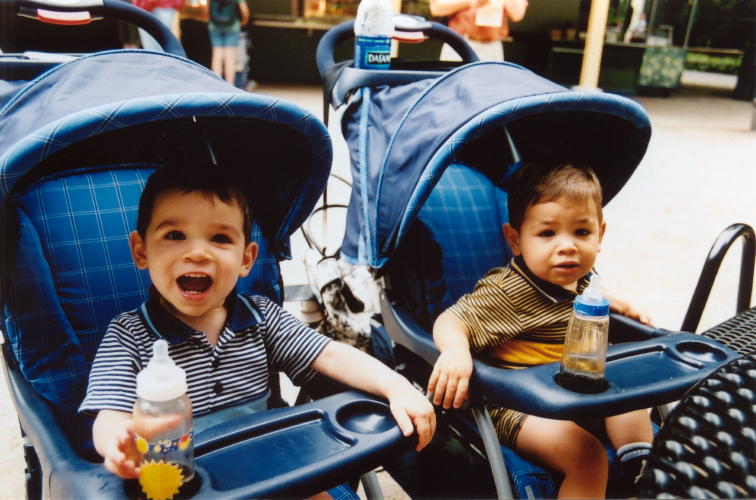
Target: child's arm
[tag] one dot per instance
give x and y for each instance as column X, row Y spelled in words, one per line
column 356, row 369
column 627, row 309
column 450, row 379
column 516, row 9
column 113, row 439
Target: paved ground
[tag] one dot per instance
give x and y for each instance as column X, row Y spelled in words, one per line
column 698, row 177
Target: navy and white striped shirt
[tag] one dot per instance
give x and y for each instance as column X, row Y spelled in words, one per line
column 258, row 337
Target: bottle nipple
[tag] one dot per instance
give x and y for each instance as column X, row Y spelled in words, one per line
column 160, row 354
column 161, row 379
column 593, row 290
column 592, row 301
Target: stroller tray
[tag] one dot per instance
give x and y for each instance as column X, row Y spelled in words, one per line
column 638, row 375
column 296, row 451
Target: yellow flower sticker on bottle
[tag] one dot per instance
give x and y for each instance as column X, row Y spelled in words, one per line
column 160, row 480
column 184, row 441
column 142, row 445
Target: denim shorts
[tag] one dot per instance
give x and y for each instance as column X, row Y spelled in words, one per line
column 224, row 37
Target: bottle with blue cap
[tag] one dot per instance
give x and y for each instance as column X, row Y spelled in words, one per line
column 585, row 344
column 163, row 423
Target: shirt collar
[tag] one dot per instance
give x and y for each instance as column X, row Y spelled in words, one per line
column 554, row 293
column 241, row 315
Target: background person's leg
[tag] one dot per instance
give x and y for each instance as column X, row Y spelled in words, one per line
column 168, row 17
column 216, row 61
column 229, row 64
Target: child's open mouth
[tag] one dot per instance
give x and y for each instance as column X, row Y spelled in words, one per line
column 567, row 266
column 194, row 283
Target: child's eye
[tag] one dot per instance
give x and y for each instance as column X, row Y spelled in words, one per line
column 174, row 235
column 582, row 232
column 221, row 238
column 546, row 233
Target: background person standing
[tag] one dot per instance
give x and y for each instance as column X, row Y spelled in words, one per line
column 165, row 10
column 484, row 24
column 226, row 19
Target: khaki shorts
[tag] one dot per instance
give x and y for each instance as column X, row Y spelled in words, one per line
column 507, row 424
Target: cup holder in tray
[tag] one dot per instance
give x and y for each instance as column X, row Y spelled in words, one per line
column 366, row 417
column 701, row 351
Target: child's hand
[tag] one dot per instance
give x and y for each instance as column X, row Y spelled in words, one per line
column 627, row 309
column 355, row 368
column 450, row 379
column 412, row 412
column 113, row 434
column 121, row 456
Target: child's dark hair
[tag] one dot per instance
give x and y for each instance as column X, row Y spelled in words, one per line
column 546, row 181
column 206, row 180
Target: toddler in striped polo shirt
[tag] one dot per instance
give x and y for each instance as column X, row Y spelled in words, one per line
column 517, row 317
column 193, row 236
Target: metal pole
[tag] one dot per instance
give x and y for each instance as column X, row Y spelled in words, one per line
column 691, row 20
column 493, row 452
column 371, row 486
column 594, row 45
column 652, row 15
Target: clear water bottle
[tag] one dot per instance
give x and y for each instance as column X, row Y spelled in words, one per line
column 373, row 28
column 163, row 426
column 584, row 357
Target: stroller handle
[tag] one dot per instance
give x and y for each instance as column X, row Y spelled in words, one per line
column 344, row 31
column 74, row 12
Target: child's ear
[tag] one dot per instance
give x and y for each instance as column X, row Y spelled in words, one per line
column 248, row 259
column 512, row 237
column 602, row 230
column 138, row 250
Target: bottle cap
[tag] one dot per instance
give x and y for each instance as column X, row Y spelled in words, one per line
column 592, row 301
column 161, row 379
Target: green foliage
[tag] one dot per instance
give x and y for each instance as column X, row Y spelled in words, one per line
column 617, row 11
column 716, row 63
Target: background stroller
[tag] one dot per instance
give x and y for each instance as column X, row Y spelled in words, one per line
column 429, row 154
column 78, row 142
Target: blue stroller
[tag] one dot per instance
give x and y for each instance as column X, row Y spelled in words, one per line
column 430, row 148
column 78, row 141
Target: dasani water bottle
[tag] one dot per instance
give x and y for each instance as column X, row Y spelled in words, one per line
column 373, row 28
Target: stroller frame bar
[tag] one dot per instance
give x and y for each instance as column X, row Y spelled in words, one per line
column 91, row 10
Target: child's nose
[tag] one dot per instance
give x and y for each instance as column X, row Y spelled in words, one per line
column 197, row 250
column 567, row 245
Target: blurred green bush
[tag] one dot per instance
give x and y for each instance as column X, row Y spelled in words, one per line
column 714, row 63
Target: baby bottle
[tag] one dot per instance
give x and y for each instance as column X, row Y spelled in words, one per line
column 584, row 356
column 163, row 426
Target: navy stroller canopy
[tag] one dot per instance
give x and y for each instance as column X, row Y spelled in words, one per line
column 138, row 107
column 491, row 116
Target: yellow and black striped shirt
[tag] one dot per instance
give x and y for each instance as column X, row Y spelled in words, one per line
column 516, row 319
